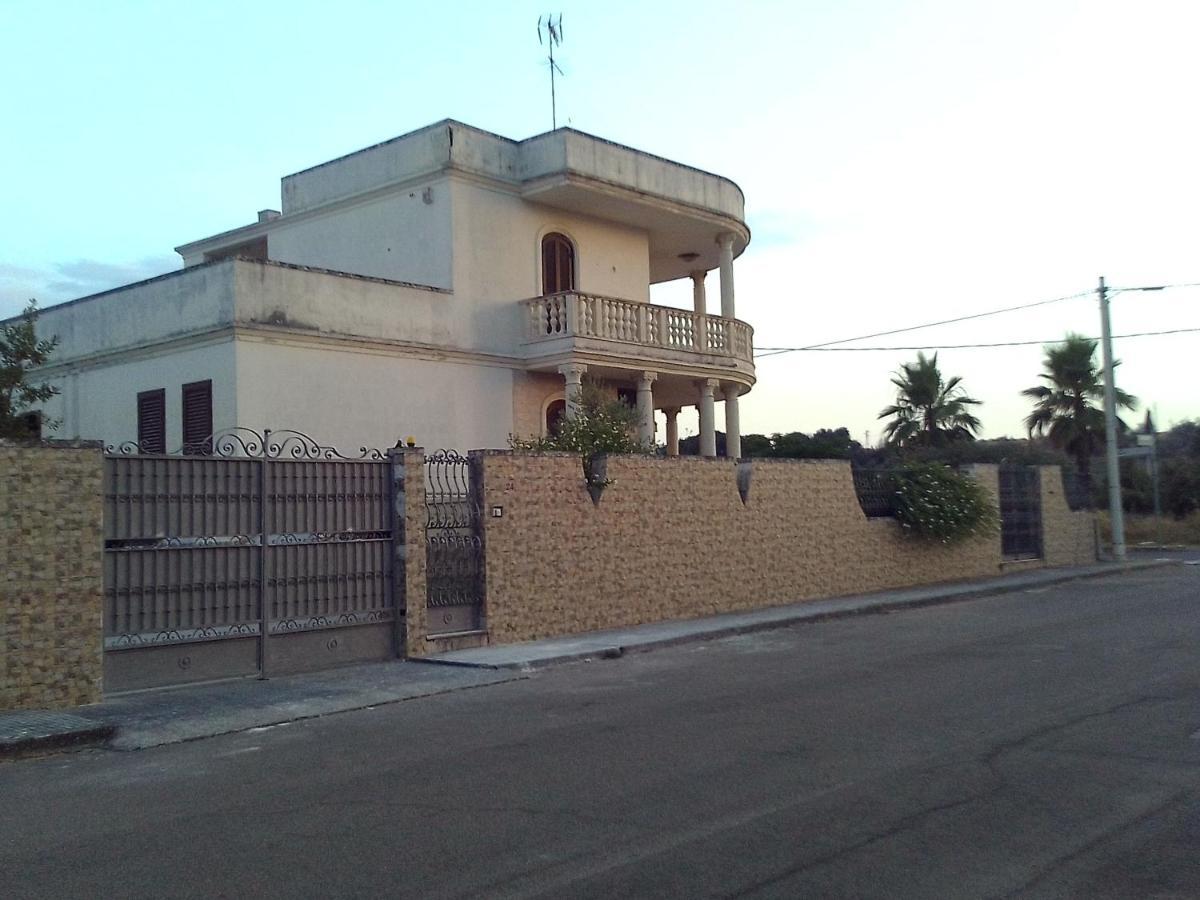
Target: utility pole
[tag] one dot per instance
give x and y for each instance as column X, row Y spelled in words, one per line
column 1116, row 514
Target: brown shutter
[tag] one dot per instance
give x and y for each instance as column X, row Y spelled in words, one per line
column 197, row 417
column 152, row 421
column 558, row 264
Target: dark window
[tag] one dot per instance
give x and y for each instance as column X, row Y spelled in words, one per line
column 197, row 417
column 554, row 416
column 31, row 422
column 152, row 421
column 558, row 264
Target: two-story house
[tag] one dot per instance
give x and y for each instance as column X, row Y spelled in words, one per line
column 449, row 284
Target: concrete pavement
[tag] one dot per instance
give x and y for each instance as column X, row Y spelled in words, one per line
column 144, row 719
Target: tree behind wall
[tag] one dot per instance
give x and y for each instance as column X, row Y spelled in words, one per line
column 20, row 351
column 929, row 410
column 825, row 443
column 1066, row 407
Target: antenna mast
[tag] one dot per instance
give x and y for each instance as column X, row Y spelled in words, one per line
column 554, row 36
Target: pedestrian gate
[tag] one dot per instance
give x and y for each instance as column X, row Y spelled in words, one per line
column 453, row 544
column 259, row 554
column 1021, row 512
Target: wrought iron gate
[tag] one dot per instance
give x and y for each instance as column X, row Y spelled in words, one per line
column 265, row 553
column 453, row 544
column 1021, row 512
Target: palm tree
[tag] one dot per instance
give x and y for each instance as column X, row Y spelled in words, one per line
column 928, row 410
column 1064, row 412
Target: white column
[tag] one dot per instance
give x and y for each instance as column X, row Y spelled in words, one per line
column 725, row 242
column 698, row 299
column 708, row 431
column 700, row 334
column 733, row 428
column 645, row 407
column 672, row 413
column 573, row 374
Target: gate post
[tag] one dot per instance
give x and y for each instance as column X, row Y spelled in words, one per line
column 408, row 546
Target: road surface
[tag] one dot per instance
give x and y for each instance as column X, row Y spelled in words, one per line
column 1040, row 744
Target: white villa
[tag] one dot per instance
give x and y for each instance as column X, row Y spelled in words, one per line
column 449, row 284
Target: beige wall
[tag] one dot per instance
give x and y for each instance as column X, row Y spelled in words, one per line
column 672, row 539
column 532, row 391
column 51, row 592
column 497, row 261
column 1069, row 538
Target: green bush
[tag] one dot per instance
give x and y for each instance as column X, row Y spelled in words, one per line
column 602, row 424
column 936, row 503
column 1181, row 487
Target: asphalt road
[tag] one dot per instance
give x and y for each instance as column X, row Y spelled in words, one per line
column 1040, row 744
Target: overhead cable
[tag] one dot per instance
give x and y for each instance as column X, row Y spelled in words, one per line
column 823, row 348
column 980, row 315
column 767, row 351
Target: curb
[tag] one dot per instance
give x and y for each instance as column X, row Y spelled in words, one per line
column 96, row 735
column 943, row 596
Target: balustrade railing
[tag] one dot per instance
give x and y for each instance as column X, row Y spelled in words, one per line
column 574, row 314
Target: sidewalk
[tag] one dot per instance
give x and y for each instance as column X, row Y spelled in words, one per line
column 144, row 719
column 150, row 718
column 617, row 642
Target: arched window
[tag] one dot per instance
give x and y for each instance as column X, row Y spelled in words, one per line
column 554, row 416
column 558, row 263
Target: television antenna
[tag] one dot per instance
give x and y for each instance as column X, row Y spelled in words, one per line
column 553, row 37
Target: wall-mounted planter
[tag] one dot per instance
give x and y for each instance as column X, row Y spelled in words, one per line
column 595, row 474
column 744, row 470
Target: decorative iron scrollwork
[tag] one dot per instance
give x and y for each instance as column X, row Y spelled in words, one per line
column 288, row 444
column 126, row 448
column 239, row 442
column 449, row 501
column 180, row 635
column 320, row 622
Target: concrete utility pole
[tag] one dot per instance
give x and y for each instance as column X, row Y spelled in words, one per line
column 1116, row 514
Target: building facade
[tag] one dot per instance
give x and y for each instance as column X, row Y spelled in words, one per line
column 450, row 285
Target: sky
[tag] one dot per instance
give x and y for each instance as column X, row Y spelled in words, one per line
column 903, row 161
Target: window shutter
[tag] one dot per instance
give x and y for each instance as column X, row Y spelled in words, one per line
column 197, row 417
column 152, row 421
column 558, row 264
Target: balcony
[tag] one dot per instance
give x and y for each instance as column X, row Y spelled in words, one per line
column 608, row 328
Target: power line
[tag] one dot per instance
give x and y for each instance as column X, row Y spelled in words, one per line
column 980, row 315
column 1154, row 287
column 824, row 348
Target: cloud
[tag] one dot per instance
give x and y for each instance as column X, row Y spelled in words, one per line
column 63, row 281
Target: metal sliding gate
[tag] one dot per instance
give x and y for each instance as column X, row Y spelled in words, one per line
column 1021, row 512
column 260, row 554
column 453, row 544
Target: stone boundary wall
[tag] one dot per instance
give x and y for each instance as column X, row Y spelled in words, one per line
column 672, row 539
column 1069, row 537
column 51, row 574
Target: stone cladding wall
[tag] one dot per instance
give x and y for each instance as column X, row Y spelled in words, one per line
column 1068, row 537
column 51, row 575
column 672, row 539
